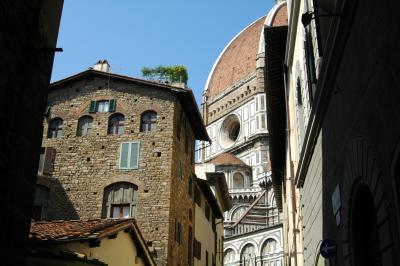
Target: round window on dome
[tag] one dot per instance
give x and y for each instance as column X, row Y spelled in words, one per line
column 229, row 132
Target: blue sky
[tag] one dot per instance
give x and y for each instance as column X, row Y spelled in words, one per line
column 132, row 34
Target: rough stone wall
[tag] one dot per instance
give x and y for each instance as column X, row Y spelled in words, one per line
column 25, row 76
column 181, row 202
column 85, row 165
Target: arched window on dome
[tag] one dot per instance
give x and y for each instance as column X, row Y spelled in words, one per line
column 116, row 124
column 55, row 128
column 237, row 180
column 120, row 200
column 229, row 256
column 84, row 125
column 248, row 255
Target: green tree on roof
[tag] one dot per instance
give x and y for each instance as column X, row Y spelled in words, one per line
column 166, row 74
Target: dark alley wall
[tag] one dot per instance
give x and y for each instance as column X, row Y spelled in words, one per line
column 28, row 29
column 361, row 134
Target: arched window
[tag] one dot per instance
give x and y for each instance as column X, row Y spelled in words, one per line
column 248, row 255
column 270, row 247
column 116, row 124
column 84, row 125
column 238, row 180
column 229, row 256
column 148, row 121
column 238, row 213
column 40, row 203
column 55, row 128
column 120, row 200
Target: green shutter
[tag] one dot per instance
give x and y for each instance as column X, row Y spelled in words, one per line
column 134, row 155
column 180, row 169
column 123, row 158
column 92, row 107
column 112, row 105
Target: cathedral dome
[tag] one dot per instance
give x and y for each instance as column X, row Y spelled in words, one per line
column 238, row 59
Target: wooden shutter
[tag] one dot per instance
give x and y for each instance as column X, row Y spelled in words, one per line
column 112, row 105
column 49, row 157
column 92, row 107
column 134, row 155
column 123, row 157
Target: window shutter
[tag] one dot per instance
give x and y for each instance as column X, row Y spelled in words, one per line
column 112, row 105
column 134, row 155
column 49, row 157
column 123, row 157
column 92, row 107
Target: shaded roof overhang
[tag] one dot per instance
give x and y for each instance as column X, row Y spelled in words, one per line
column 275, row 40
column 185, row 96
column 209, row 195
column 218, row 180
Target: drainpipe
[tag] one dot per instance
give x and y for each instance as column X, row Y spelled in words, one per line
column 291, row 179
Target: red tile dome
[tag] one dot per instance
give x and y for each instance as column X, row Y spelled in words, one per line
column 238, row 59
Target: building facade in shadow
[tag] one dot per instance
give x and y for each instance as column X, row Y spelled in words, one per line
column 29, row 31
column 335, row 152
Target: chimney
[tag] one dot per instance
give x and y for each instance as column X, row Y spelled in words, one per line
column 102, row 65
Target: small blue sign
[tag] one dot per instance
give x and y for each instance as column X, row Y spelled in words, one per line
column 328, row 248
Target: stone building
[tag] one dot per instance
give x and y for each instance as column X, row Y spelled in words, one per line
column 29, row 31
column 235, row 112
column 336, row 131
column 115, row 146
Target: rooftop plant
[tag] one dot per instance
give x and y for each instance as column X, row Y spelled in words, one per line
column 166, row 74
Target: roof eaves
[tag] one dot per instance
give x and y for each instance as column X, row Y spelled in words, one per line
column 205, row 188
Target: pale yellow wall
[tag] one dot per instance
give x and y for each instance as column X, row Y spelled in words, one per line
column 204, row 234
column 119, row 251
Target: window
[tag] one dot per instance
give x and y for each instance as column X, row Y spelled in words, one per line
column 248, row 255
column 46, row 161
column 180, row 169
column 84, row 125
column 207, row 212
column 55, row 128
column 229, row 256
column 120, row 200
column 148, row 121
column 178, row 232
column 179, row 125
column 238, row 180
column 102, row 106
column 190, row 236
column 197, row 249
column 116, row 124
column 190, row 192
column 197, row 196
column 40, row 203
column 270, row 247
column 129, row 155
column 186, row 136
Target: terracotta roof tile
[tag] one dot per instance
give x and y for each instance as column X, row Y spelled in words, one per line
column 281, row 17
column 228, row 159
column 75, row 230
column 238, row 60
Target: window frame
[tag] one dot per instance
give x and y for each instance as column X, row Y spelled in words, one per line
column 111, row 125
column 129, row 167
column 147, row 122
column 81, row 123
column 59, row 129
